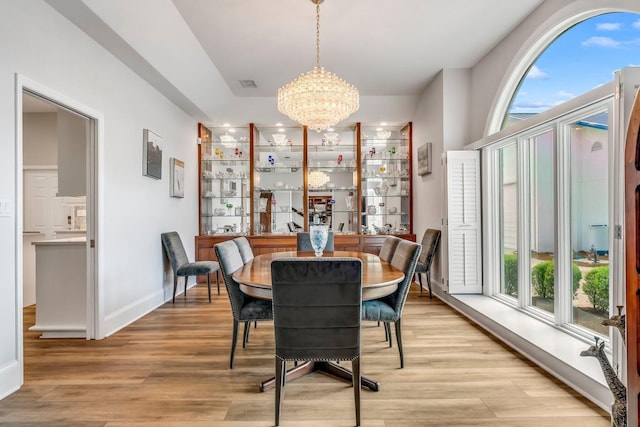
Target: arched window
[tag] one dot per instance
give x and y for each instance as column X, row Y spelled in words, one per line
column 580, row 59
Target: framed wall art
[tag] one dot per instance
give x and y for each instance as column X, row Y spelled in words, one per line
column 424, row 159
column 151, row 155
column 176, row 172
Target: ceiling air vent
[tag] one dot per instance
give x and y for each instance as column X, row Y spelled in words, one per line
column 247, row 83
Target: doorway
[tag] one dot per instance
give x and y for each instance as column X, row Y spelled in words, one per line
column 57, row 194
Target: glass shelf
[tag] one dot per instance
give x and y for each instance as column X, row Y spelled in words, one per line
column 332, row 165
column 277, row 177
column 224, row 181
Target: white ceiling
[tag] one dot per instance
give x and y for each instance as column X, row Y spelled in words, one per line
column 196, row 51
column 382, row 47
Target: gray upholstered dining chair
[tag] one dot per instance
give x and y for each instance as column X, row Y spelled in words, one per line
column 388, row 248
column 303, row 243
column 430, row 241
column 316, row 313
column 181, row 266
column 245, row 249
column 244, row 308
column 389, row 309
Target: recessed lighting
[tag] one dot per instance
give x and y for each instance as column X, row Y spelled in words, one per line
column 279, row 124
column 330, row 129
column 379, row 129
column 232, row 130
column 226, row 125
column 281, row 130
column 383, row 123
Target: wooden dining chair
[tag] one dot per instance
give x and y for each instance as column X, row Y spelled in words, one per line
column 181, row 266
column 244, row 308
column 303, row 243
column 389, row 309
column 316, row 313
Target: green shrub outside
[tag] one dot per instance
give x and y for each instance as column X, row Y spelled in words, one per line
column 596, row 287
column 542, row 276
column 511, row 275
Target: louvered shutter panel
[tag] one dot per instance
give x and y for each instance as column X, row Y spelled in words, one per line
column 463, row 222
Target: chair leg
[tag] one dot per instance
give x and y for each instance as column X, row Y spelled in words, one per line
column 245, row 337
column 209, row 285
column 399, row 338
column 387, row 331
column 186, row 280
column 218, row 280
column 420, row 280
column 175, row 285
column 280, row 378
column 429, row 284
column 355, row 368
column 234, row 338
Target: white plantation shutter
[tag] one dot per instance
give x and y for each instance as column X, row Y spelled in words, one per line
column 463, row 228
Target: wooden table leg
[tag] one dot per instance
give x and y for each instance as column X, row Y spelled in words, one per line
column 330, row 368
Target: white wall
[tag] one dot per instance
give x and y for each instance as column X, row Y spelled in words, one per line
column 441, row 118
column 72, row 160
column 40, row 139
column 36, row 42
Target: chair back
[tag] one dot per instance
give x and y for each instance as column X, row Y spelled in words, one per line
column 430, row 241
column 404, row 258
column 230, row 260
column 245, row 249
column 388, row 248
column 303, row 243
column 175, row 251
column 316, row 308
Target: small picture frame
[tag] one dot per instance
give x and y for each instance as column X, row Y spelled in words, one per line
column 424, row 159
column 151, row 155
column 176, row 187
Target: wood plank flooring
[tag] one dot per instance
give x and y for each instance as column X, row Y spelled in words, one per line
column 170, row 368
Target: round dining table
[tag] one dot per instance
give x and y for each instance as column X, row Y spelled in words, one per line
column 379, row 279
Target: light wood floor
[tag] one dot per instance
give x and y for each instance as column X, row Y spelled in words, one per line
column 170, row 368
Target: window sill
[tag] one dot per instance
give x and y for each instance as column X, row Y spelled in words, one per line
column 552, row 349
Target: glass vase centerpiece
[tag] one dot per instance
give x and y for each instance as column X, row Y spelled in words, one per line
column 318, row 234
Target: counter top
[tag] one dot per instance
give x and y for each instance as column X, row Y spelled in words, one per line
column 72, row 231
column 81, row 240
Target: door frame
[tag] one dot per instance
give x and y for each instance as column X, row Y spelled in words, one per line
column 95, row 205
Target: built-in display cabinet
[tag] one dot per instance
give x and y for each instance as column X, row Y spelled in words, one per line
column 224, row 180
column 278, row 179
column 268, row 183
column 386, row 179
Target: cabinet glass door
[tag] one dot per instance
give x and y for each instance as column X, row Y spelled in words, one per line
column 385, row 179
column 332, row 179
column 278, row 191
column 224, row 182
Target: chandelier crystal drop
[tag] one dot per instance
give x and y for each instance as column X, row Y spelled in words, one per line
column 318, row 98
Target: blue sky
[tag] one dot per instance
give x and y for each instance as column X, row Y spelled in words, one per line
column 582, row 58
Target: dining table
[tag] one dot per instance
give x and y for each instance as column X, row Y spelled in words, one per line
column 379, row 279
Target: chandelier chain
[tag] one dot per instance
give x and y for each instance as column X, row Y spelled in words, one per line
column 318, row 33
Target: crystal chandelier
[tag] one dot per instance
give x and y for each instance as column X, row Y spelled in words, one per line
column 318, row 99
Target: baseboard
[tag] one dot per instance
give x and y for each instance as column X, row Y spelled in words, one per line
column 11, row 379
column 132, row 312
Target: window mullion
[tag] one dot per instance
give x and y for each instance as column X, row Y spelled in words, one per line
column 562, row 263
column 524, row 241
